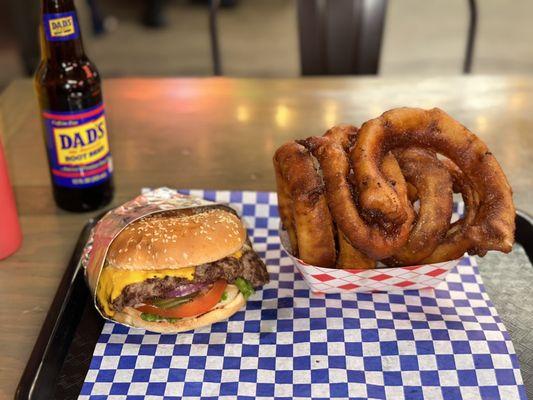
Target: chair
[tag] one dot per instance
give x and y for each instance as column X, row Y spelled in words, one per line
column 340, row 37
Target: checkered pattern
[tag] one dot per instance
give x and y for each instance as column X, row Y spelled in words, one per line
column 447, row 343
column 328, row 280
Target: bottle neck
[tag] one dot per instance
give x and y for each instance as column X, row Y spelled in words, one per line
column 60, row 31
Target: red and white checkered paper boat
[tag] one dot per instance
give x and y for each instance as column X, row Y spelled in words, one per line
column 381, row 279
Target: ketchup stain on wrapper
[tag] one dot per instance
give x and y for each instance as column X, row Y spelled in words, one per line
column 10, row 233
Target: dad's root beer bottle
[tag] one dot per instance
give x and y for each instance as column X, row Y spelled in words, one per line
column 72, row 111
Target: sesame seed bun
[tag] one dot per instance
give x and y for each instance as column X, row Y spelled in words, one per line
column 132, row 317
column 177, row 239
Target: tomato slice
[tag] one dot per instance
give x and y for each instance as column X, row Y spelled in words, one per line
column 198, row 305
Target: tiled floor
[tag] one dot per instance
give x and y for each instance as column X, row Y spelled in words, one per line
column 259, row 38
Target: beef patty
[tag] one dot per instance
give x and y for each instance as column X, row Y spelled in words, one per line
column 249, row 267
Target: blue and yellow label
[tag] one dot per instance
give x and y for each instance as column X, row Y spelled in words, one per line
column 61, row 26
column 78, row 149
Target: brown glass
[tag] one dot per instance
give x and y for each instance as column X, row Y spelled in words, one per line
column 66, row 80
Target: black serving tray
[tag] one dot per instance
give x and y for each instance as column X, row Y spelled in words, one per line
column 62, row 353
column 61, row 356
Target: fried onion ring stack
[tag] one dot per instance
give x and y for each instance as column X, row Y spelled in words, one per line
column 385, row 193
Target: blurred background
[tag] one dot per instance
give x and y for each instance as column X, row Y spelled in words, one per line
column 261, row 38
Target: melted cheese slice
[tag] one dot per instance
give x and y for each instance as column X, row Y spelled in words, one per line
column 113, row 281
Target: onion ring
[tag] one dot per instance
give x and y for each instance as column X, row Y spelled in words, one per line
column 343, row 134
column 412, row 192
column 493, row 226
column 291, row 163
column 350, row 257
column 433, row 184
column 372, row 240
column 302, row 206
column 455, row 243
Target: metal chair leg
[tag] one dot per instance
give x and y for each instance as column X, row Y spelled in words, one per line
column 472, row 28
column 213, row 35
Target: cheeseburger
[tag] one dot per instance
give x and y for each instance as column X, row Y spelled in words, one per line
column 179, row 270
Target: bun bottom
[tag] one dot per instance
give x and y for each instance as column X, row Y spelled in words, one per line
column 132, row 317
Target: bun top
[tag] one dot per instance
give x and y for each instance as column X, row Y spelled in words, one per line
column 177, row 239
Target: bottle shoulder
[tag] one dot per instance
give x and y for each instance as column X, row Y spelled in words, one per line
column 68, row 86
column 67, row 75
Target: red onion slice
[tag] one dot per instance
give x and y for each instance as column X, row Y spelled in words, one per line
column 184, row 290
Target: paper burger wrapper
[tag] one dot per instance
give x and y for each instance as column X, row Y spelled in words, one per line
column 380, row 279
column 111, row 224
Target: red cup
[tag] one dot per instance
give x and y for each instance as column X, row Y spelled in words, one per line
column 10, row 233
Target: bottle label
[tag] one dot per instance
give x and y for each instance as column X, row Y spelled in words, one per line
column 78, row 149
column 59, row 27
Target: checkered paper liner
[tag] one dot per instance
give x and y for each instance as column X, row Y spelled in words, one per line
column 448, row 343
